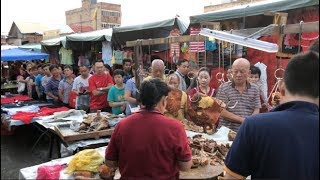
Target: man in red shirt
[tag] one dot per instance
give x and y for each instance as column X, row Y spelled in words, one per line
column 147, row 144
column 99, row 84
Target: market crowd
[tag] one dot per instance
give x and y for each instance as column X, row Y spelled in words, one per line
column 271, row 142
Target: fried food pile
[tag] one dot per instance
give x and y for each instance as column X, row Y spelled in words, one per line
column 206, row 151
column 204, row 111
column 94, row 123
column 191, row 126
column 231, row 135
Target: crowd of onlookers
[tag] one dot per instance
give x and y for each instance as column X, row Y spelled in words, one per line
column 101, row 88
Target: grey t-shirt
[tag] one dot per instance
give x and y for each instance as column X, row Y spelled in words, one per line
column 66, row 87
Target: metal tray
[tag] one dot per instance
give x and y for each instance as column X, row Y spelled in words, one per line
column 67, row 135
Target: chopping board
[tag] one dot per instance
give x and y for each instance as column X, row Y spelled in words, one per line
column 202, row 172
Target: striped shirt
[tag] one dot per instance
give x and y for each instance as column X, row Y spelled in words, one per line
column 244, row 103
column 66, row 87
column 44, row 82
column 52, row 86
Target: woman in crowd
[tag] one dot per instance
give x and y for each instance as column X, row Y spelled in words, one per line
column 22, row 81
column 163, row 147
column 202, row 88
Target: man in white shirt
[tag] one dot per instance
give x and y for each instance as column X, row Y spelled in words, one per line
column 81, row 88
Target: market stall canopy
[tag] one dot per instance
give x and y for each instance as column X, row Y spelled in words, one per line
column 99, row 35
column 3, row 47
column 157, row 29
column 54, row 42
column 253, row 9
column 34, row 46
column 18, row 54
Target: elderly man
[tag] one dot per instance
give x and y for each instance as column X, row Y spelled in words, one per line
column 157, row 67
column 241, row 97
column 282, row 144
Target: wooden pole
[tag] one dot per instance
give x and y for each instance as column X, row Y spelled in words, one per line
column 286, row 29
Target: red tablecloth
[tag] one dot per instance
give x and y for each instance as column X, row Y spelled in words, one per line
column 27, row 117
column 12, row 99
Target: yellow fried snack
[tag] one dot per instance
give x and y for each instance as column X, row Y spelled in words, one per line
column 86, row 160
column 206, row 102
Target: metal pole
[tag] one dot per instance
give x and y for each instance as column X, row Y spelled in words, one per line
column 80, row 23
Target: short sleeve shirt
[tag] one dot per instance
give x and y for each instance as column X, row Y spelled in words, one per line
column 131, row 86
column 116, row 95
column 80, row 84
column 99, row 81
column 66, row 87
column 239, row 104
column 281, row 144
column 39, row 84
column 148, row 145
column 53, row 86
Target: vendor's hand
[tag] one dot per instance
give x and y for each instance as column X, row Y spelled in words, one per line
column 221, row 103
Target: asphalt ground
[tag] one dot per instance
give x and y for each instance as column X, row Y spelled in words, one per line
column 16, row 150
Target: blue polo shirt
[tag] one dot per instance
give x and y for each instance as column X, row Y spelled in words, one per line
column 282, row 144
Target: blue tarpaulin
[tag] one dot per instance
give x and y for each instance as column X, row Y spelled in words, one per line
column 17, row 54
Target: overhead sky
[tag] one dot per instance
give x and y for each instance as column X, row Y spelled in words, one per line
column 133, row 11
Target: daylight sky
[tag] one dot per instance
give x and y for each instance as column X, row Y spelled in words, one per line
column 133, row 11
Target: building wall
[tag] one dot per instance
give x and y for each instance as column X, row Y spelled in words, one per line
column 228, row 5
column 85, row 16
column 3, row 39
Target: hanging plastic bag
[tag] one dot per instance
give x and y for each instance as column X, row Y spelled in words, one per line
column 113, row 59
column 49, row 172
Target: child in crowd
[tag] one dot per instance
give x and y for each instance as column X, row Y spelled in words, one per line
column 116, row 93
column 255, row 79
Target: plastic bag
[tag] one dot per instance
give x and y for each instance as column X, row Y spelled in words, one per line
column 49, row 172
column 86, row 160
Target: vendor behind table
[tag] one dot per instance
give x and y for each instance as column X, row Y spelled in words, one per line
column 163, row 147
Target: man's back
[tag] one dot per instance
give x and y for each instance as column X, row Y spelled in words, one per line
column 281, row 144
